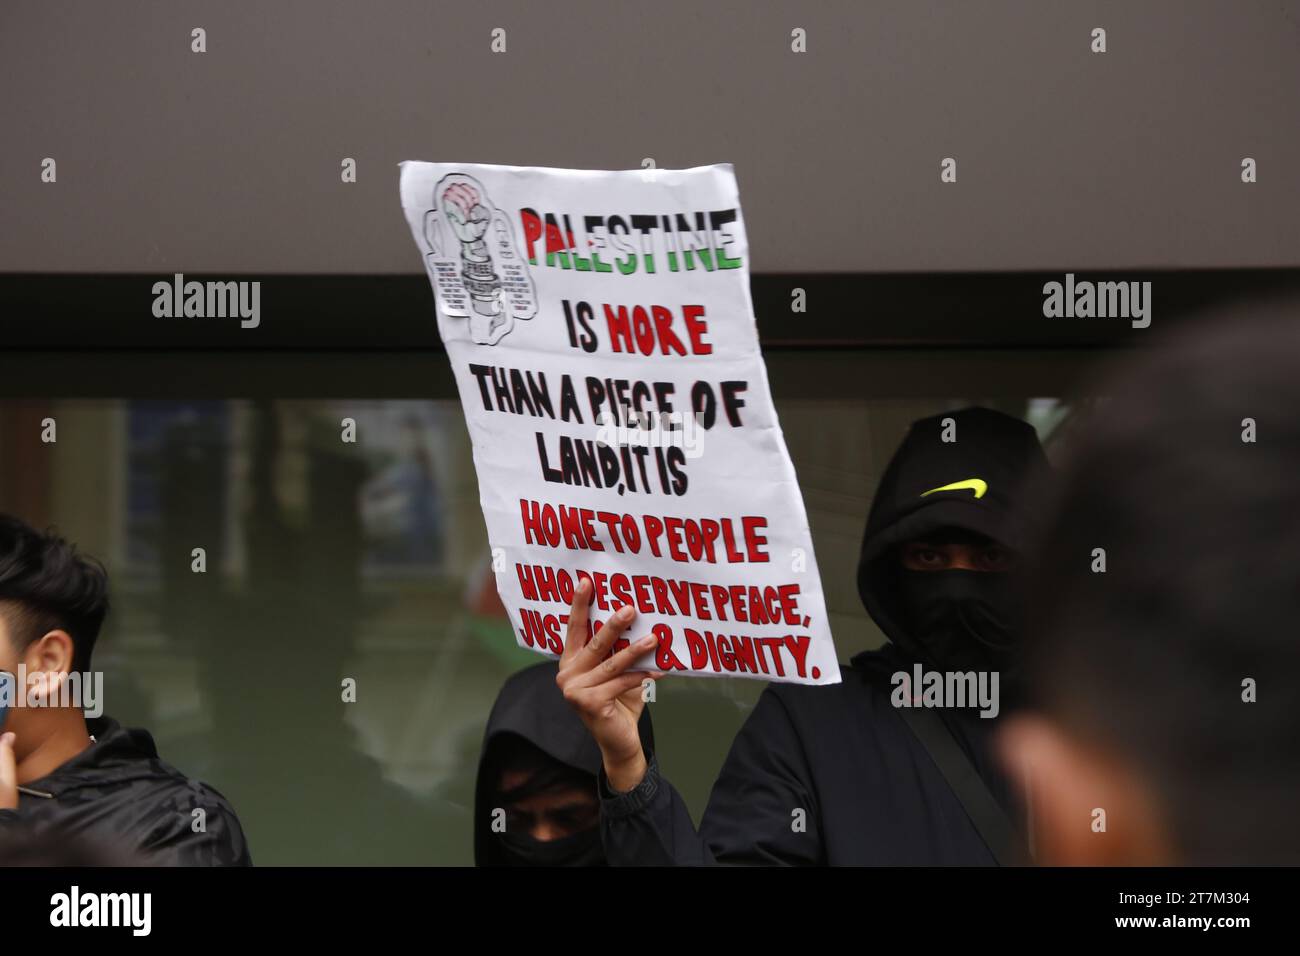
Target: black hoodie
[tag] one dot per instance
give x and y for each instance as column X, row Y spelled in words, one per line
column 833, row 774
column 1001, row 472
column 121, row 800
column 532, row 706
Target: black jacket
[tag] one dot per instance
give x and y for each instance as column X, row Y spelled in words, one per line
column 127, row 806
column 833, row 774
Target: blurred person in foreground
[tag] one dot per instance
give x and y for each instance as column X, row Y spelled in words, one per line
column 1167, row 687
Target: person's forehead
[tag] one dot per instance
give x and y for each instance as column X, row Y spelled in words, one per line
column 557, row 799
column 513, row 778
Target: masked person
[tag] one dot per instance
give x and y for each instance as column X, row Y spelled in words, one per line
column 845, row 774
column 535, row 801
column 67, row 778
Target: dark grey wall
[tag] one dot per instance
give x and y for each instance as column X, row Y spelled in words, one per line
column 229, row 160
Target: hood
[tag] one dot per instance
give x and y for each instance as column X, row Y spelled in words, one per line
column 118, row 755
column 998, row 450
column 532, row 706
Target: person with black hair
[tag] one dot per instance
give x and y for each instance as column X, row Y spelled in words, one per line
column 536, row 803
column 1164, row 726
column 65, row 776
column 855, row 773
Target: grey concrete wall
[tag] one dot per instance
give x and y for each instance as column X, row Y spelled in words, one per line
column 229, row 160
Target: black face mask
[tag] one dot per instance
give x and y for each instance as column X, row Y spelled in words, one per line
column 961, row 620
column 580, row 849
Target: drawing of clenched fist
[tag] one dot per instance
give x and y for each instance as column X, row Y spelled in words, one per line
column 469, row 219
column 468, row 216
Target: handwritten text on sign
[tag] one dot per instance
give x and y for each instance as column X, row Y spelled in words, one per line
column 601, row 332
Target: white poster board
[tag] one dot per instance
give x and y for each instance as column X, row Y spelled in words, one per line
column 600, row 328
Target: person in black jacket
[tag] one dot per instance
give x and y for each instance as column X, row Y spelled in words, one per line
column 536, row 801
column 835, row 774
column 64, row 777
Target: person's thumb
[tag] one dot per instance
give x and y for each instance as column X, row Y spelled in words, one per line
column 8, row 773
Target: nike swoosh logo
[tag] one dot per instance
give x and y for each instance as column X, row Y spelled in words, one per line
column 977, row 485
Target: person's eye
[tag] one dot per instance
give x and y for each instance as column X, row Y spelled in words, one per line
column 929, row 556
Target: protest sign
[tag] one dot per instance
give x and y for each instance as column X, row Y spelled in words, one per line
column 602, row 336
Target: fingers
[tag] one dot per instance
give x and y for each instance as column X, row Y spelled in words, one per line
column 8, row 773
column 602, row 676
column 633, row 697
column 581, row 655
column 593, row 702
column 632, row 680
column 595, row 649
column 576, row 634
